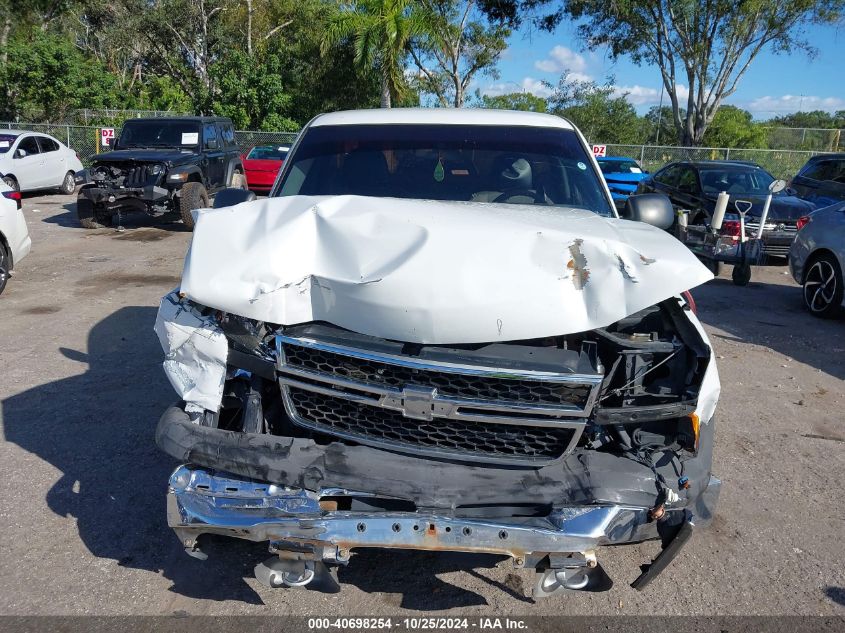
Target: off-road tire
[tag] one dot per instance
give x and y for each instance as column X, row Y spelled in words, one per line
column 823, row 288
column 5, row 266
column 11, row 182
column 68, row 184
column 194, row 196
column 90, row 216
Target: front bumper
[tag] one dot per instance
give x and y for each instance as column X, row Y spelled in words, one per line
column 200, row 501
column 117, row 197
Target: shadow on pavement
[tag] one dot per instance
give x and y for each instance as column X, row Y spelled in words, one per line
column 773, row 316
column 413, row 575
column 98, row 430
column 127, row 220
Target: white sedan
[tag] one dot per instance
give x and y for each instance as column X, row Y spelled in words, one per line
column 31, row 161
column 14, row 235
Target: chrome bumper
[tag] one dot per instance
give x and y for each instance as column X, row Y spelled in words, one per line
column 202, row 502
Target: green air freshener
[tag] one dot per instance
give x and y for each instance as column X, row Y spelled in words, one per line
column 439, row 173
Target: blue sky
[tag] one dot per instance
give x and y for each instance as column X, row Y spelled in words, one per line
column 773, row 85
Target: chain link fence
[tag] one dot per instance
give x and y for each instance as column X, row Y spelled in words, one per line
column 806, row 138
column 780, row 163
column 85, row 140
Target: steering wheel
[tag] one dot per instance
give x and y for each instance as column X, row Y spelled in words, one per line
column 534, row 194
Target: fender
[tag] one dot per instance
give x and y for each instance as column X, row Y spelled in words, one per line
column 234, row 163
column 194, row 173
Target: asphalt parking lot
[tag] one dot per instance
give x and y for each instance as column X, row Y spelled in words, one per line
column 82, row 487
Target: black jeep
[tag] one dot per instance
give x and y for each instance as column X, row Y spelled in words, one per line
column 163, row 167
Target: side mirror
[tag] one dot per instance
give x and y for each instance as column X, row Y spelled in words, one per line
column 231, row 196
column 777, row 186
column 20, row 153
column 211, row 143
column 651, row 208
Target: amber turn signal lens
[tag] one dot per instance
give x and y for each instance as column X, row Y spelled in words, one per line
column 696, row 423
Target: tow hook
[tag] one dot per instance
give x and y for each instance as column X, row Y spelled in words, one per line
column 276, row 572
column 576, row 572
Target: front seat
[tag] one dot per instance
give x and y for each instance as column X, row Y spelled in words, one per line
column 365, row 173
column 512, row 175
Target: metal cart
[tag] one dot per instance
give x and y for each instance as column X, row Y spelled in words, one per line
column 713, row 248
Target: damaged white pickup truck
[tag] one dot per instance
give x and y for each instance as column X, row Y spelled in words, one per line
column 435, row 334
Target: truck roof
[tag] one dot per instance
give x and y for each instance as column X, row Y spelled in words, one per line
column 441, row 116
column 198, row 119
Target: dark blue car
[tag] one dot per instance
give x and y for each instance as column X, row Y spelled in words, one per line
column 622, row 176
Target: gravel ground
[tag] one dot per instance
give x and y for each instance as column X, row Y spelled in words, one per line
column 83, row 518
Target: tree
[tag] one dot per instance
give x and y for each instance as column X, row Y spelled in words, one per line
column 660, row 126
column 381, row 31
column 458, row 44
column 47, row 77
column 702, row 48
column 600, row 112
column 734, row 127
column 524, row 101
column 252, row 95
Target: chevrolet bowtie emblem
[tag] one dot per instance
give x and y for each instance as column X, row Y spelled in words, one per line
column 417, row 402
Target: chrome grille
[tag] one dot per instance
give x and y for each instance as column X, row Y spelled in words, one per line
column 473, row 412
column 771, row 227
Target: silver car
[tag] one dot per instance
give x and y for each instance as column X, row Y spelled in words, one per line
column 817, row 258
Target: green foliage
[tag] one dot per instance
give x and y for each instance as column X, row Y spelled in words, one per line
column 252, row 94
column 524, row 101
column 734, row 127
column 600, row 112
column 380, row 31
column 46, row 77
column 814, row 119
column 702, row 49
column 662, row 118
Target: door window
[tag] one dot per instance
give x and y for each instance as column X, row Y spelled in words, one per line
column 47, row 144
column 209, row 136
column 837, row 172
column 668, row 176
column 29, row 145
column 820, row 170
column 228, row 134
column 687, row 180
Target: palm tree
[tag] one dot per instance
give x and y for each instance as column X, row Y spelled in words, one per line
column 381, row 31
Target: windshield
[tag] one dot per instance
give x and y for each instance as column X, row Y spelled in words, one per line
column 159, row 133
column 750, row 181
column 6, row 142
column 268, row 152
column 524, row 165
column 625, row 166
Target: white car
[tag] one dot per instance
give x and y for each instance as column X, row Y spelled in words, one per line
column 437, row 334
column 14, row 236
column 31, row 161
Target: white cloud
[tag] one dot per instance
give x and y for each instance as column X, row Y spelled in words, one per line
column 582, row 77
column 560, row 59
column 536, row 87
column 786, row 104
column 643, row 95
column 528, row 84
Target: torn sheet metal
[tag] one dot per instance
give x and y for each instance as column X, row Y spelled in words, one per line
column 195, row 350
column 430, row 271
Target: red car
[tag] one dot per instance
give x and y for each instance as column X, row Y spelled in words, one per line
column 261, row 165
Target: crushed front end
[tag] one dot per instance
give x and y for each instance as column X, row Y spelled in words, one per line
column 320, row 440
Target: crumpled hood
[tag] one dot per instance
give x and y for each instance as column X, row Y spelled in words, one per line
column 431, row 272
